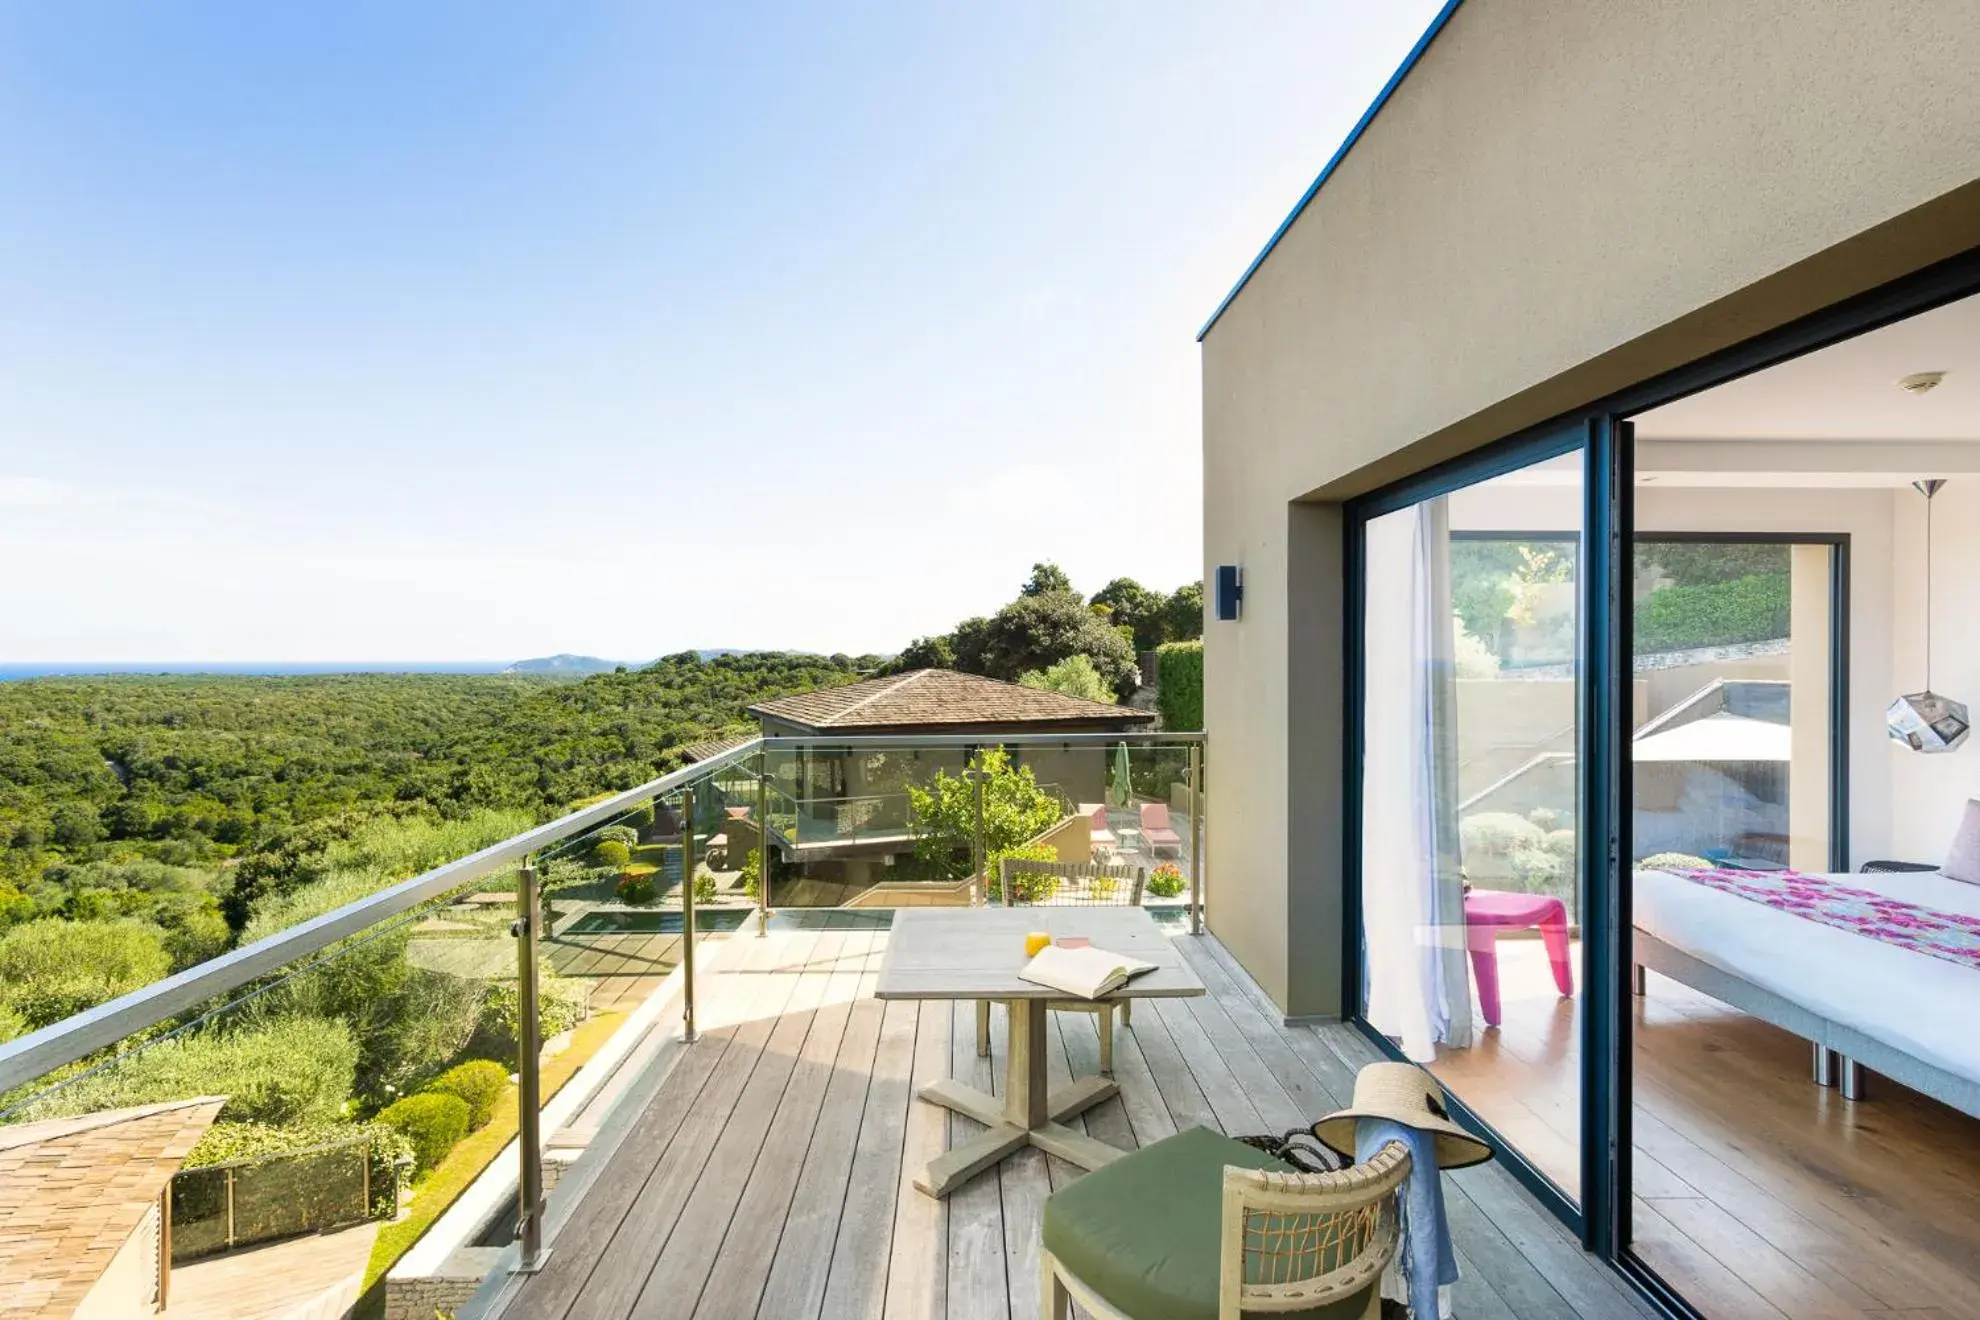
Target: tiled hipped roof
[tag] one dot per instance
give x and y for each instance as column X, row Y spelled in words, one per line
column 931, row 698
column 71, row 1191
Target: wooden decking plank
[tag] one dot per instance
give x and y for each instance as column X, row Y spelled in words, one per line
column 1023, row 1182
column 1589, row 1286
column 1174, row 1085
column 857, row 1285
column 624, row 1263
column 918, row 1264
column 796, row 1286
column 977, row 1286
column 619, row 1185
column 749, row 1241
column 1109, row 1120
column 1234, row 1110
column 1311, row 1073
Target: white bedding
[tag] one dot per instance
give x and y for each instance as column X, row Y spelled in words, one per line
column 1912, row 1001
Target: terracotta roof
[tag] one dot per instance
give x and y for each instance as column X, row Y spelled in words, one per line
column 74, row 1188
column 709, row 748
column 934, row 698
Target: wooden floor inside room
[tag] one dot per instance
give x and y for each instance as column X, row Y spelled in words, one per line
column 770, row 1174
column 1757, row 1193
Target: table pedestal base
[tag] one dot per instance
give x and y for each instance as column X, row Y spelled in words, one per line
column 1026, row 1116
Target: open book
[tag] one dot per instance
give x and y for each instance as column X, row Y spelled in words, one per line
column 1083, row 973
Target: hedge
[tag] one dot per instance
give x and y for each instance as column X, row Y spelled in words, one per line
column 478, row 1084
column 1747, row 609
column 433, row 1123
column 1179, row 685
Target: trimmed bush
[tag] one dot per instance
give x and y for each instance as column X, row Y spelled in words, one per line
column 478, row 1084
column 705, row 889
column 1746, row 609
column 612, row 852
column 1166, row 881
column 433, row 1123
column 1179, row 685
column 562, row 1003
column 635, row 884
column 625, row 834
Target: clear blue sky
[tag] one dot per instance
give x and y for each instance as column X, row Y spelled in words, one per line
column 447, row 331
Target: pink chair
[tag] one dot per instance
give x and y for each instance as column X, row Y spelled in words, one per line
column 1155, row 828
column 1103, row 835
column 1487, row 912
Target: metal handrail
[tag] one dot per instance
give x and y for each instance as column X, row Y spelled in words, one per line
column 31, row 1056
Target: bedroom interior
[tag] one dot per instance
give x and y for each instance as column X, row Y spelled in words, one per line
column 1804, row 1078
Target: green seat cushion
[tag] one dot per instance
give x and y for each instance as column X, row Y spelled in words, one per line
column 1145, row 1232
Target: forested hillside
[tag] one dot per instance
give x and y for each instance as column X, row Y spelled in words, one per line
column 174, row 802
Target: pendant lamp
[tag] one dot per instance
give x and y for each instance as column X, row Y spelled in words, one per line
column 1925, row 721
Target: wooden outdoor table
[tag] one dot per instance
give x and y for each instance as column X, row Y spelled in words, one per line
column 976, row 953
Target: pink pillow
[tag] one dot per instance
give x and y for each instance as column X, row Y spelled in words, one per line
column 1963, row 860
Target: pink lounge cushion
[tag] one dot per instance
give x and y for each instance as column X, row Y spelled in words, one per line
column 1963, row 858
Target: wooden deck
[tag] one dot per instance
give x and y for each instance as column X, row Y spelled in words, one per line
column 770, row 1174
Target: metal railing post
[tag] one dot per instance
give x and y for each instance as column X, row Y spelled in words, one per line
column 230, row 1207
column 1196, row 849
column 762, row 843
column 529, row 1076
column 687, row 915
column 979, row 855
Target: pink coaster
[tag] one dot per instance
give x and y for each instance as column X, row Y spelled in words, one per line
column 1073, row 942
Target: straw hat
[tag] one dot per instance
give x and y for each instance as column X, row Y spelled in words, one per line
column 1410, row 1096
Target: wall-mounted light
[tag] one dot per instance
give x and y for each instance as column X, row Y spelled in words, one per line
column 1230, row 591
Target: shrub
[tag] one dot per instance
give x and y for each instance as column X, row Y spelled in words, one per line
column 288, row 1071
column 562, row 1003
column 625, row 834
column 611, row 852
column 1746, row 609
column 1673, row 861
column 635, row 884
column 478, row 1084
column 752, row 874
column 705, row 889
column 1073, row 676
column 640, row 817
column 1179, row 680
column 432, row 1123
column 1166, row 881
column 1104, row 887
column 52, row 968
column 942, row 816
column 1497, row 834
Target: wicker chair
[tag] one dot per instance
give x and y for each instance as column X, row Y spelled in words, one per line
column 1069, row 884
column 1275, row 1241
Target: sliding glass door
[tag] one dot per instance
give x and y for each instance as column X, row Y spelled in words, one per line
column 1470, row 852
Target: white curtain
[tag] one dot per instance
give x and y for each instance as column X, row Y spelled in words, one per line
column 1412, row 890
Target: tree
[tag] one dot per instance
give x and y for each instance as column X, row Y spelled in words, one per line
column 1133, row 606
column 1073, row 676
column 1036, row 632
column 1182, row 614
column 926, row 653
column 1047, row 579
column 942, row 815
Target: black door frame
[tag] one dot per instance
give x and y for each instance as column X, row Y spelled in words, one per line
column 1602, row 432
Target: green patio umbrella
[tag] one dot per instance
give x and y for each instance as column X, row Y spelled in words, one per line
column 1120, row 790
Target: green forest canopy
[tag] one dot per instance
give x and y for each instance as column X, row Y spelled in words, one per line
column 175, row 801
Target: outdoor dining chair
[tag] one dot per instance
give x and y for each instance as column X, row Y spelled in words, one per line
column 1069, row 884
column 1200, row 1226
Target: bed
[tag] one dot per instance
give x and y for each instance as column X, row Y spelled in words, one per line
column 1904, row 1014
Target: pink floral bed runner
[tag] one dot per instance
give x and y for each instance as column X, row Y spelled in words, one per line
column 1947, row 935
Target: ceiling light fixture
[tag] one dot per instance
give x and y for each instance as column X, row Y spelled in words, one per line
column 1925, row 721
column 1921, row 382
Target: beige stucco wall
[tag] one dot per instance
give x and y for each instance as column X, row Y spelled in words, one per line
column 1564, row 198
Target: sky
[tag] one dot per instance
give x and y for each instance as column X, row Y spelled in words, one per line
column 465, row 331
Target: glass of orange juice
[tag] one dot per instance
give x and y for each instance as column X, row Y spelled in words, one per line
column 1035, row 941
